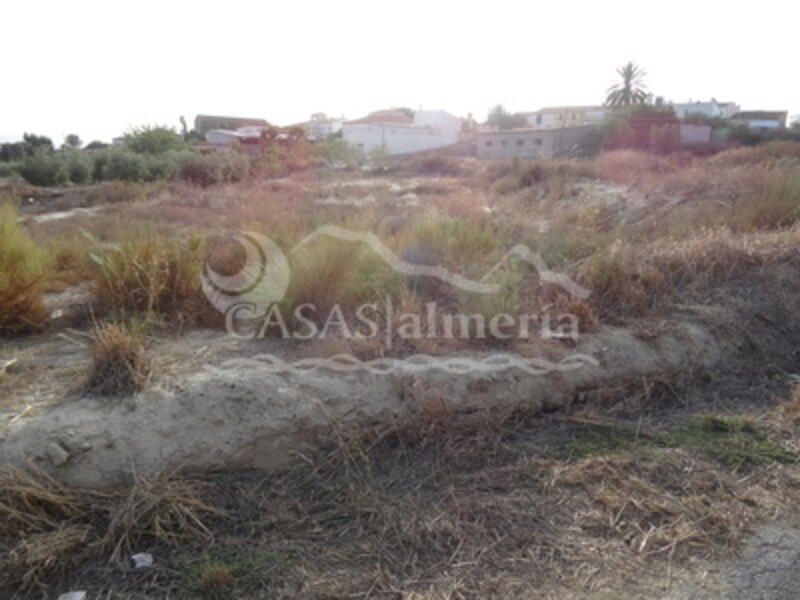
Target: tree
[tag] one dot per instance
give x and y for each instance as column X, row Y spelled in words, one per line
column 153, row 139
column 72, row 141
column 500, row 118
column 36, row 143
column 632, row 89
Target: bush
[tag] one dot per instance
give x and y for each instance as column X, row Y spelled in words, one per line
column 114, row 192
column 124, row 165
column 436, row 165
column 9, row 169
column 149, row 275
column 153, row 140
column 23, row 269
column 219, row 167
column 79, row 167
column 337, row 153
column 44, row 168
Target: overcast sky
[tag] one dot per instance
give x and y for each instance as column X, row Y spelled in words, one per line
column 96, row 68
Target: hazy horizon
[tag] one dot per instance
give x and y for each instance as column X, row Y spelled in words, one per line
column 97, row 69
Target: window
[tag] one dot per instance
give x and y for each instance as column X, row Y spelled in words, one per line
column 538, row 119
column 538, row 141
column 488, row 143
column 520, row 142
column 503, row 142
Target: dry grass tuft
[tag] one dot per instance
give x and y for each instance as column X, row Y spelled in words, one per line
column 164, row 507
column 120, row 365
column 214, row 576
column 39, row 554
column 23, row 270
column 630, row 166
column 150, row 275
column 33, row 502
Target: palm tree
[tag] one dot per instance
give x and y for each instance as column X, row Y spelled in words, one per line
column 632, row 89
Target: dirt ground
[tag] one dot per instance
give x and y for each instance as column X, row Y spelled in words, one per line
column 673, row 476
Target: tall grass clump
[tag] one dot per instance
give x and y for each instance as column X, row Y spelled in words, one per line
column 23, row 270
column 149, row 275
column 514, row 175
column 210, row 169
column 120, row 366
column 630, row 166
column 776, row 206
column 328, row 272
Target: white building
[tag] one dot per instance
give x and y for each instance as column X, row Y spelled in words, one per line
column 395, row 132
column 761, row 120
column 558, row 117
column 712, row 109
column 321, row 126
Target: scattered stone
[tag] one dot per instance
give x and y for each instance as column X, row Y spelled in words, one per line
column 56, row 454
column 142, row 560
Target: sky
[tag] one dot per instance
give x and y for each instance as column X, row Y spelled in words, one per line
column 97, row 68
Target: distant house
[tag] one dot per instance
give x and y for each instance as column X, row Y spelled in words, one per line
column 397, row 132
column 556, row 117
column 711, row 109
column 247, row 139
column 205, row 123
column 761, row 120
column 321, row 126
column 529, row 142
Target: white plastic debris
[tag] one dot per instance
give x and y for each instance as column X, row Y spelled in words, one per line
column 73, row 596
column 142, row 560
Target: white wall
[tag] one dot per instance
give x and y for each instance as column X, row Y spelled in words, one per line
column 431, row 129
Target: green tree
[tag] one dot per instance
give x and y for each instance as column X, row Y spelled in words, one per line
column 153, row 139
column 631, row 90
column 500, row 118
column 72, row 141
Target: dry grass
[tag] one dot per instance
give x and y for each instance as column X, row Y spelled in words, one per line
column 150, row 275
column 120, row 365
column 23, row 271
column 33, row 502
column 630, row 166
column 165, row 507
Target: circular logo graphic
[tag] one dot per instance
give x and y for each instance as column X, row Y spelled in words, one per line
column 255, row 273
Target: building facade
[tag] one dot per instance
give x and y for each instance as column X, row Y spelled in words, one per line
column 711, row 109
column 558, row 117
column 761, row 120
column 529, row 143
column 395, row 132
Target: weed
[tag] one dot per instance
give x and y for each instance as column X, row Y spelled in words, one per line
column 24, row 268
column 731, row 441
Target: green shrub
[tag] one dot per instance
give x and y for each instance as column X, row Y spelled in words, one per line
column 44, row 168
column 23, row 269
column 153, row 140
column 338, row 153
column 8, row 169
column 79, row 167
column 124, row 165
column 219, row 167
